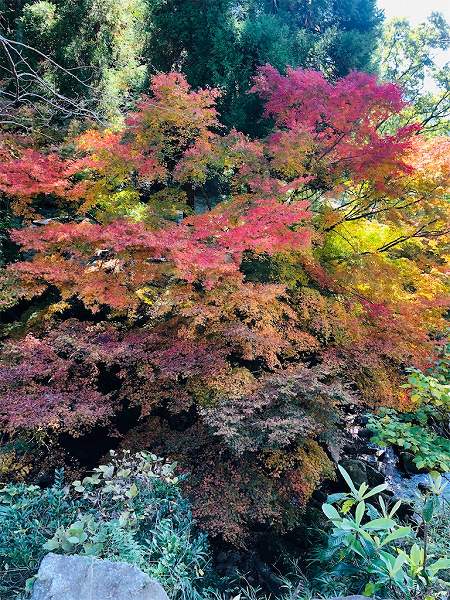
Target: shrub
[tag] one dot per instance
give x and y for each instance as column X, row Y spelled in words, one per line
column 128, row 510
column 430, row 451
column 379, row 556
column 424, row 433
column 246, row 330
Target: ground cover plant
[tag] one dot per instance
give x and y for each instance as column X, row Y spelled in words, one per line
column 129, row 510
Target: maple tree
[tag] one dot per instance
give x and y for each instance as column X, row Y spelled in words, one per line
column 239, row 334
column 333, row 130
column 56, row 389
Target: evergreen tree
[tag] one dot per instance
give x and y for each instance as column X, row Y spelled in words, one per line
column 117, row 44
column 100, row 41
column 221, row 43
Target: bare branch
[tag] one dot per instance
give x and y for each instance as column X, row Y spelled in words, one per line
column 24, row 85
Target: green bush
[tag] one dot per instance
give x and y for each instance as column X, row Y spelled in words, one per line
column 374, row 553
column 430, row 451
column 425, row 432
column 129, row 510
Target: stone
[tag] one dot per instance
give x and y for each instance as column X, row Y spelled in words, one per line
column 335, row 450
column 356, row 469
column 77, row 577
column 408, row 465
column 361, row 472
column 374, row 477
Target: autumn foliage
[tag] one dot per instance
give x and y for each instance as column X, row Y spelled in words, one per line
column 240, row 333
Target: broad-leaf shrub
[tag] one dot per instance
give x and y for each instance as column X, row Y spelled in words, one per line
column 431, row 390
column 423, row 432
column 402, row 430
column 376, row 553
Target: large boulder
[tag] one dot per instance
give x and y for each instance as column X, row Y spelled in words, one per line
column 86, row 578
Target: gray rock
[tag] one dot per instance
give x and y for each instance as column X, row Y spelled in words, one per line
column 361, row 472
column 84, row 578
column 335, row 450
column 408, row 464
column 374, row 477
column 356, row 469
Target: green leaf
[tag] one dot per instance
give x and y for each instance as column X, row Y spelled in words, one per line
column 417, row 555
column 346, row 506
column 375, row 490
column 366, row 535
column 107, row 470
column 439, row 565
column 331, row 512
column 29, row 583
column 370, row 589
column 348, row 479
column 133, row 491
column 382, row 523
column 399, row 533
column 395, row 508
column 92, row 549
column 428, row 510
column 332, row 498
column 357, row 547
column 76, row 529
column 51, row 545
column 436, row 477
column 348, row 525
column 359, row 513
column 363, row 489
column 398, row 564
column 123, row 473
column 66, row 546
column 73, row 539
